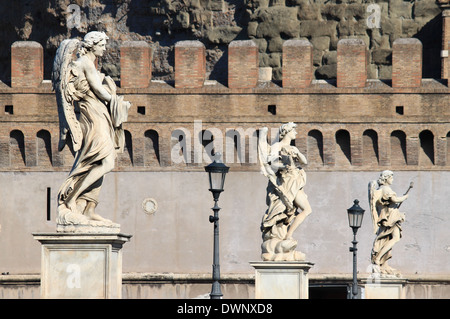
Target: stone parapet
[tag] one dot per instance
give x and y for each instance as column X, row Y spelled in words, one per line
column 243, row 64
column 27, row 64
column 135, row 64
column 445, row 40
column 297, row 64
column 407, row 63
column 190, row 64
column 351, row 63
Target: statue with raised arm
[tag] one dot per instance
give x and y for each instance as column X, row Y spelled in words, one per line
column 280, row 163
column 95, row 135
column 387, row 219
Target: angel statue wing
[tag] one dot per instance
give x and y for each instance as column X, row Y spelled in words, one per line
column 263, row 154
column 266, row 169
column 373, row 186
column 68, row 122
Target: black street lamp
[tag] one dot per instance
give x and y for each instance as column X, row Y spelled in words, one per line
column 355, row 217
column 217, row 172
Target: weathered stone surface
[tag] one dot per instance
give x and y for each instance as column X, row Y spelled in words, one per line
column 382, row 56
column 327, row 71
column 321, row 43
column 400, row 9
column 317, row 28
column 261, row 43
column 330, row 57
column 426, row 9
column 222, row 34
column 215, row 23
column 275, row 44
column 277, row 21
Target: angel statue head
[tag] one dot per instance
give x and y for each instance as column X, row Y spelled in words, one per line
column 95, row 42
column 286, row 128
column 384, row 177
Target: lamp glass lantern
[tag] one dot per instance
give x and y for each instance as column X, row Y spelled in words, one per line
column 217, row 172
column 355, row 215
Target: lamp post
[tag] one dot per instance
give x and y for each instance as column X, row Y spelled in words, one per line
column 217, row 172
column 355, row 217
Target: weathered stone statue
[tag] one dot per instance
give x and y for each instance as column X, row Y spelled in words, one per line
column 387, row 219
column 280, row 164
column 96, row 135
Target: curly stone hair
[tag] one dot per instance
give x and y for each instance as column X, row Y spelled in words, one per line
column 286, row 128
column 90, row 40
column 384, row 175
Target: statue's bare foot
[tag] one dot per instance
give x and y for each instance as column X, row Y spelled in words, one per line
column 72, row 206
column 90, row 213
column 376, row 269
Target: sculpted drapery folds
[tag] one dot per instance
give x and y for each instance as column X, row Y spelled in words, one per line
column 96, row 134
column 285, row 195
column 387, row 220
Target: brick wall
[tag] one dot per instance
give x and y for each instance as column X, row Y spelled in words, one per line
column 354, row 125
column 243, row 64
column 135, row 64
column 447, row 67
column 445, row 40
column 407, row 63
column 27, row 64
column 328, row 145
column 351, row 63
column 297, row 63
column 190, row 64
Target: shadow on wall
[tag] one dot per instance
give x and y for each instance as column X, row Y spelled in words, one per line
column 431, row 62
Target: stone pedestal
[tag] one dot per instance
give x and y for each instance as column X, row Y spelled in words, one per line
column 281, row 279
column 81, row 265
column 384, row 288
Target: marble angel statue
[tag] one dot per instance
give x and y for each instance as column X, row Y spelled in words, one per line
column 95, row 135
column 387, row 219
column 285, row 194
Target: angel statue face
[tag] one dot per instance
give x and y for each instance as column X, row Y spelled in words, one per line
column 390, row 180
column 288, row 130
column 99, row 48
column 386, row 178
column 292, row 133
column 95, row 42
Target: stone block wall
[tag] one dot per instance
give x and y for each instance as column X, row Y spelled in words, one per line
column 217, row 23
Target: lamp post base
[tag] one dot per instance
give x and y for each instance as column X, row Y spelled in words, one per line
column 216, row 293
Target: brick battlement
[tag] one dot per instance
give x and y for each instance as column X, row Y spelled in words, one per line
column 27, row 64
column 190, row 64
column 351, row 123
